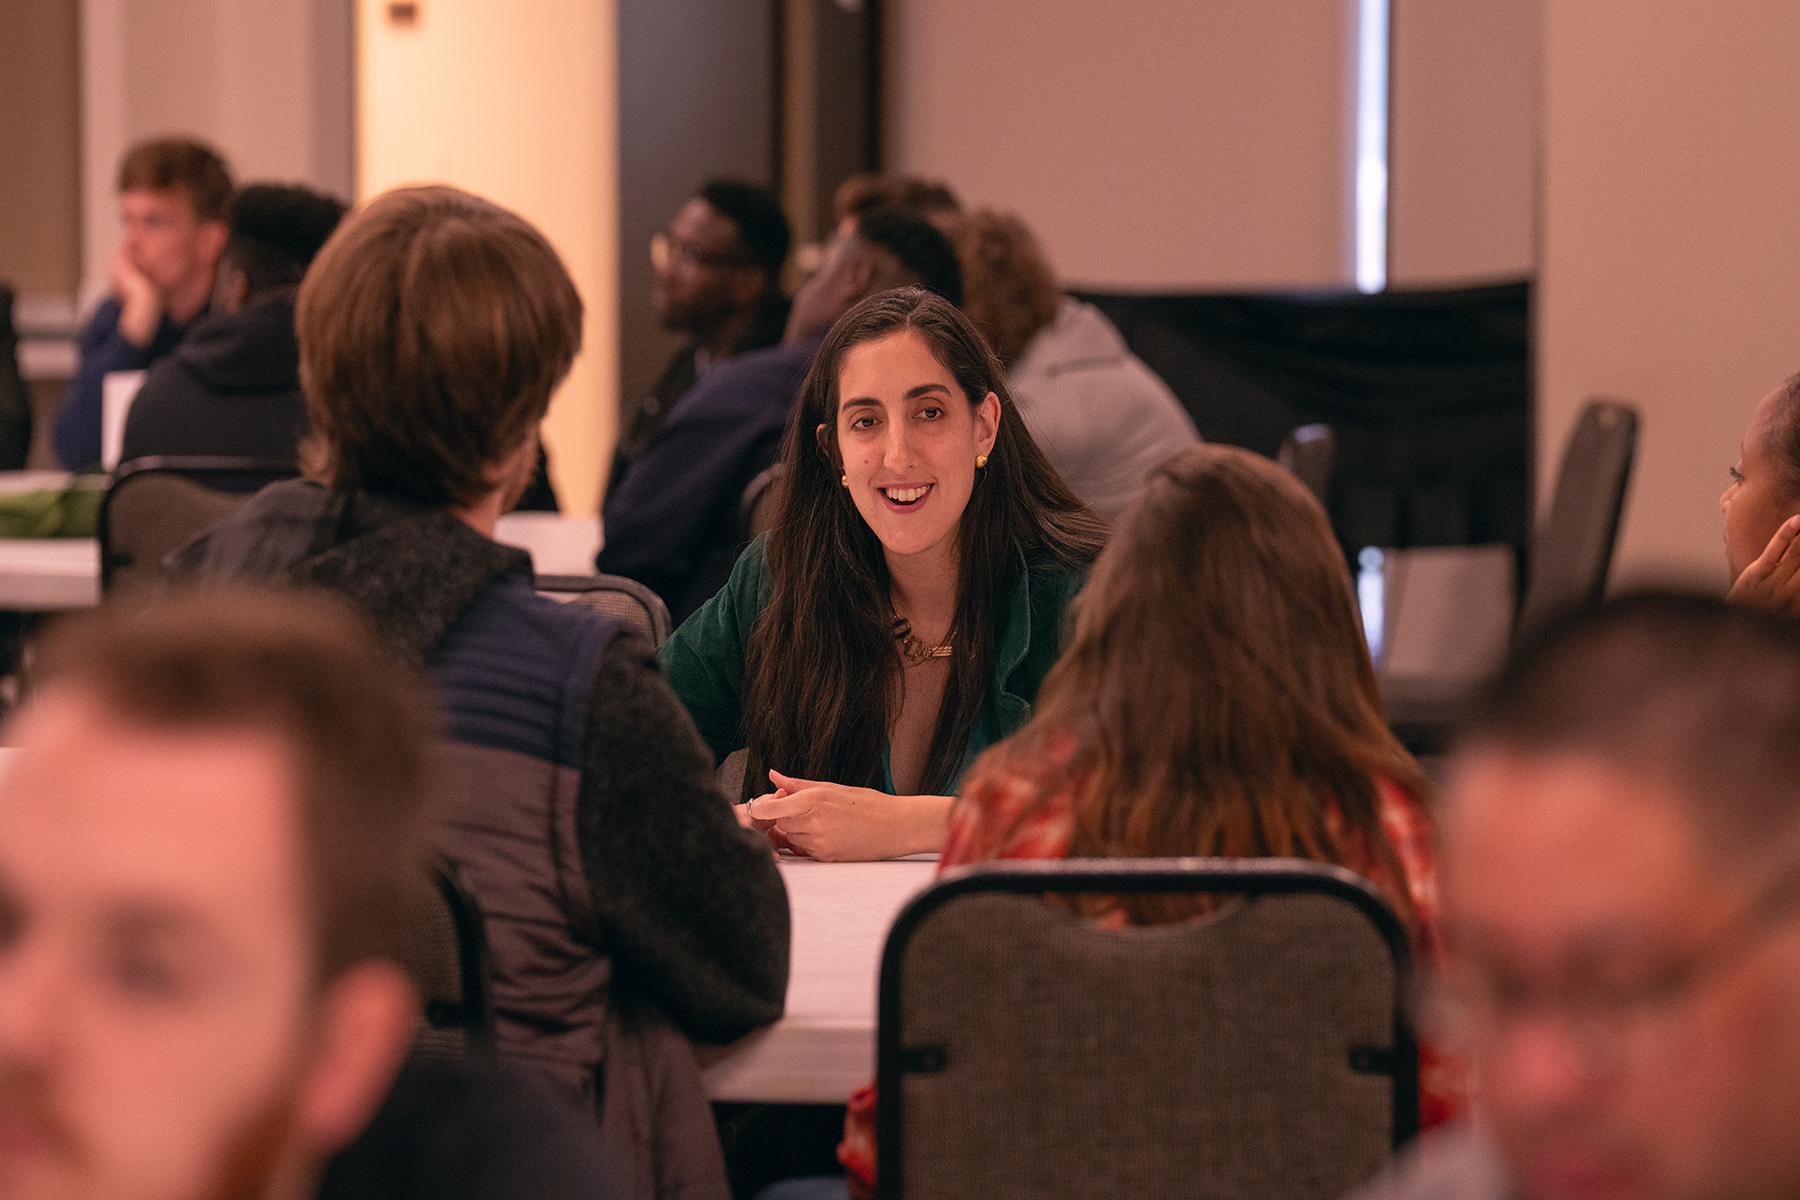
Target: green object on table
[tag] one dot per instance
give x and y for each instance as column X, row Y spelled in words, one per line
column 69, row 512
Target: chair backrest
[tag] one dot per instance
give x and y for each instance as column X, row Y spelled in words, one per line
column 1309, row 453
column 159, row 504
column 1574, row 543
column 613, row 596
column 1259, row 1051
column 447, row 958
column 756, row 510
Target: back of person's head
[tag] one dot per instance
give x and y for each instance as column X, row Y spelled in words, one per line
column 1688, row 691
column 305, row 671
column 179, row 165
column 1009, row 290
column 276, row 231
column 812, row 664
column 762, row 226
column 926, row 199
column 922, row 251
column 433, row 327
column 1216, row 687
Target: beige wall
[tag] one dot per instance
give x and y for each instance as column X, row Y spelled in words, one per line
column 517, row 102
column 265, row 81
column 1463, row 178
column 1671, row 245
column 1151, row 144
column 40, row 233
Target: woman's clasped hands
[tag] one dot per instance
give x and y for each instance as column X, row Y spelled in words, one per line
column 836, row 823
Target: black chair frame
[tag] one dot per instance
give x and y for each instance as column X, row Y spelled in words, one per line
column 661, row 623
column 475, row 1014
column 1236, row 876
column 223, row 473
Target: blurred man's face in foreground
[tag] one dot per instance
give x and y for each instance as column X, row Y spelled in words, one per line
column 1631, row 1001
column 158, row 1014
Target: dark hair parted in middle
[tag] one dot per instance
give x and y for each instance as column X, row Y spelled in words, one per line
column 433, row 327
column 822, row 670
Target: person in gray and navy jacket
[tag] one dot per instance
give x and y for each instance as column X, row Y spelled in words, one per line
column 624, row 905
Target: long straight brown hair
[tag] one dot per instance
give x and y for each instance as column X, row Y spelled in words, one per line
column 822, row 670
column 1217, row 686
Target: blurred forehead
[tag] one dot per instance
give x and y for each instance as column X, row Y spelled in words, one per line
column 704, row 225
column 93, row 806
column 170, row 203
column 1569, row 846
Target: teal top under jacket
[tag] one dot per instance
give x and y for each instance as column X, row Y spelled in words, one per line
column 704, row 661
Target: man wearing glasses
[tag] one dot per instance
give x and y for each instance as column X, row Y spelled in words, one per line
column 718, row 278
column 1622, row 874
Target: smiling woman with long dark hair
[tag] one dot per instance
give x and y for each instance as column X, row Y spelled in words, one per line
column 901, row 612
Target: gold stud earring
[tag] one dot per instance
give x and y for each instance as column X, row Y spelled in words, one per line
column 980, row 461
column 846, row 479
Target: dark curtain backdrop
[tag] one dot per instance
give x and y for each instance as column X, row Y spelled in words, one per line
column 1429, row 394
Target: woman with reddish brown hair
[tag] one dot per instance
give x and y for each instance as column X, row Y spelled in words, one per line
column 1216, row 698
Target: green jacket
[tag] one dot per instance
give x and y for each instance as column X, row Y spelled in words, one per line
column 704, row 661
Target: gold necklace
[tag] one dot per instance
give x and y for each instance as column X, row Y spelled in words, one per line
column 913, row 648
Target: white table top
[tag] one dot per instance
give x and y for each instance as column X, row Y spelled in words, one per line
column 559, row 545
column 46, row 574
column 824, row 1047
column 38, row 574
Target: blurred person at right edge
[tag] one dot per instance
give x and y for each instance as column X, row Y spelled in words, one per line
column 1621, row 835
column 1216, row 698
column 1101, row 416
column 1762, row 505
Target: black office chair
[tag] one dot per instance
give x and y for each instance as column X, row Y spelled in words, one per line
column 1573, row 548
column 447, row 958
column 756, row 510
column 613, row 596
column 160, row 503
column 1261, row 1050
column 1310, row 452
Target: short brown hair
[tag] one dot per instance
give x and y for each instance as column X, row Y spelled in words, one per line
column 922, row 199
column 305, row 669
column 1686, row 689
column 433, row 327
column 179, row 165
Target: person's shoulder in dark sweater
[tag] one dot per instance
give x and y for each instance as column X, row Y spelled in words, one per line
column 465, row 1130
column 671, row 523
column 103, row 350
column 232, row 387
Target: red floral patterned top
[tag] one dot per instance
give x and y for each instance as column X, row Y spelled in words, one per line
column 986, row 824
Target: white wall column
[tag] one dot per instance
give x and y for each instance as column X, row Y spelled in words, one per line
column 517, row 102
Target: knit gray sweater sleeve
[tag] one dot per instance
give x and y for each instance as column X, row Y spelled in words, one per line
column 695, row 912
